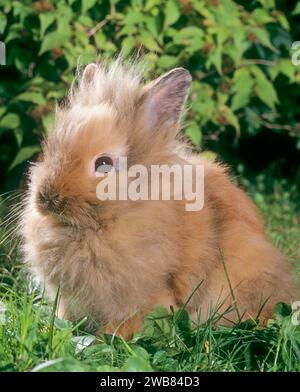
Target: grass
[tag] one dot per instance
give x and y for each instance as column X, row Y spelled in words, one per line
column 33, row 339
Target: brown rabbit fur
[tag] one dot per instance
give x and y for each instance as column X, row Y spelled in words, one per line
column 116, row 260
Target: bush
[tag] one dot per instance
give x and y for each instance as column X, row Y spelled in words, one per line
column 238, row 53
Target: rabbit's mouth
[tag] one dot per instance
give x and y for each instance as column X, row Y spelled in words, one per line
column 54, row 204
column 72, row 212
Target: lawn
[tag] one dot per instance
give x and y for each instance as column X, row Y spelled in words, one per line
column 33, row 339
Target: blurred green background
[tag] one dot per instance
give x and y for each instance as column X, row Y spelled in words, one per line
column 243, row 103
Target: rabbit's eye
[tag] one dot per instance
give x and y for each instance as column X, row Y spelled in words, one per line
column 103, row 164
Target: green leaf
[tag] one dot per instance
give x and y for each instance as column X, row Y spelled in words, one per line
column 209, row 155
column 263, row 37
column 46, row 19
column 14, row 32
column 18, row 132
column 135, row 3
column 193, row 132
column 156, row 322
column 268, row 3
column 53, row 40
column 283, row 21
column 264, row 88
column 166, row 61
column 282, row 310
column 191, row 38
column 284, row 67
column 2, row 111
column 64, row 15
column 149, row 42
column 10, row 121
column 150, row 4
column 133, row 17
column 172, row 13
column 103, row 43
column 128, row 45
column 87, row 4
column 222, row 33
column 239, row 46
column 33, row 97
column 266, row 92
column 231, row 118
column 297, row 9
column 86, row 21
column 126, row 30
column 139, row 351
column 3, row 22
column 262, row 16
column 215, row 58
column 48, row 121
column 152, row 25
column 137, row 364
column 24, row 154
column 62, row 324
column 242, row 88
column 188, row 33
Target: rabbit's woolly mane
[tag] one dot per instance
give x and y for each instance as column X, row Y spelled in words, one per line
column 117, row 86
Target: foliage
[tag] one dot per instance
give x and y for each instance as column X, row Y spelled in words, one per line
column 238, row 53
column 32, row 338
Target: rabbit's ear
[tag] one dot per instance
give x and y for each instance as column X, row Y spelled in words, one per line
column 163, row 99
column 89, row 72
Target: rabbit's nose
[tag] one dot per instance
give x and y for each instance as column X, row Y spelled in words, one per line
column 51, row 202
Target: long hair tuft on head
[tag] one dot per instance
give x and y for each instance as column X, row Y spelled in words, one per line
column 114, row 83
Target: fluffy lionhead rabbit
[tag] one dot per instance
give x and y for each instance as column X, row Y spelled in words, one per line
column 116, row 260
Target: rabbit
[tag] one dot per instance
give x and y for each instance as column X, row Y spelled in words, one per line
column 115, row 260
